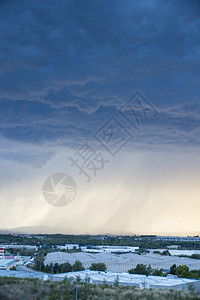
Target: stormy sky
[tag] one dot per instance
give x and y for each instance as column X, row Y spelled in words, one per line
column 117, row 81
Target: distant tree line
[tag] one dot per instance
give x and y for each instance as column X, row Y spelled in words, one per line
column 180, row 271
column 57, row 268
column 184, row 272
column 52, row 240
column 64, row 268
column 146, row 270
column 194, row 256
column 98, row 267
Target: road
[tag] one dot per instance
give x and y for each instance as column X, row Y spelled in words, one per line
column 26, row 269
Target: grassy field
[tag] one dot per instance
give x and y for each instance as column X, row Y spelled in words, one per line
column 19, row 289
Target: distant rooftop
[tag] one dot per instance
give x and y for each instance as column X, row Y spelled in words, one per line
column 128, row 279
column 121, row 262
column 110, row 277
column 5, row 263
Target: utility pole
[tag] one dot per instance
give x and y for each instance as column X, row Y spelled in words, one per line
column 76, row 287
column 52, row 268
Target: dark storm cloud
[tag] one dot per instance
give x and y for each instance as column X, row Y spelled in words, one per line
column 65, row 66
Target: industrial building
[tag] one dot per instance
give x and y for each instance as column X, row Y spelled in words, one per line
column 108, row 249
column 176, row 252
column 21, row 274
column 178, row 238
column 69, row 247
column 99, row 249
column 6, row 264
column 141, row 281
column 96, row 277
column 121, row 262
column 27, row 247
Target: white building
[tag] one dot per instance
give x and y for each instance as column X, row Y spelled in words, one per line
column 27, row 247
column 6, row 264
column 178, row 238
column 108, row 249
column 69, row 247
column 176, row 252
column 141, row 281
column 173, row 247
column 121, row 262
